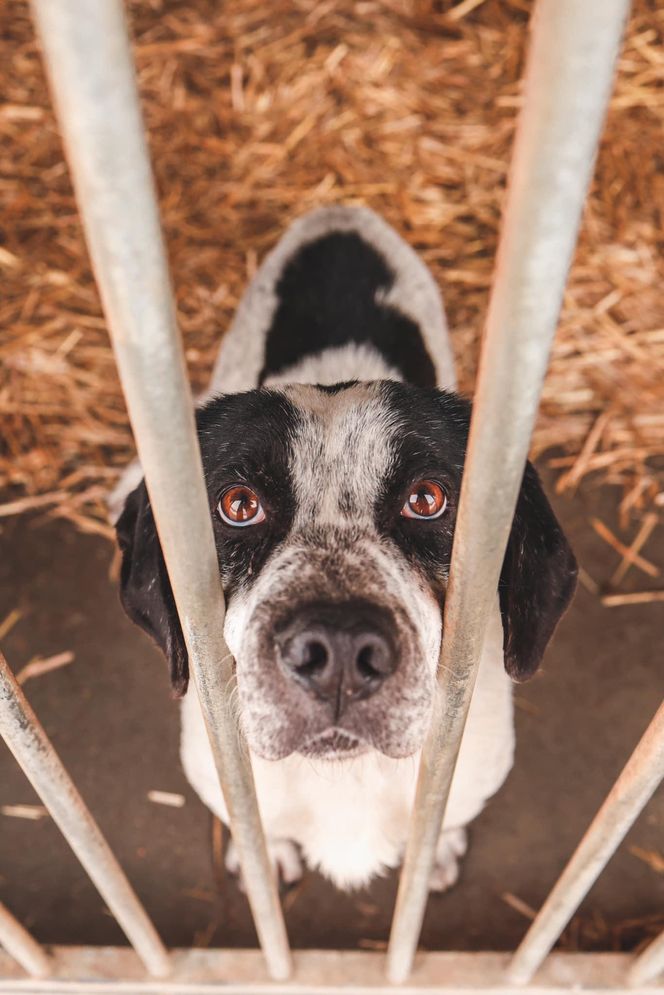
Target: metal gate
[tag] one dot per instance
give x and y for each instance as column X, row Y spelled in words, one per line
column 573, row 48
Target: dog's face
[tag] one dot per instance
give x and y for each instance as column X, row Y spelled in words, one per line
column 334, row 512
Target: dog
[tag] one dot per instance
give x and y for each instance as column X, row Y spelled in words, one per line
column 333, row 444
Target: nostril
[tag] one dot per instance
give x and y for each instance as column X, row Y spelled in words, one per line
column 373, row 660
column 313, row 658
column 366, row 659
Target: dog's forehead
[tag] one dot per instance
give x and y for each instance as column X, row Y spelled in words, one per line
column 342, row 449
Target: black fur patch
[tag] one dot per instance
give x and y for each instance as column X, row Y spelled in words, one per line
column 538, row 576
column 430, row 445
column 244, row 438
column 328, row 298
column 537, row 581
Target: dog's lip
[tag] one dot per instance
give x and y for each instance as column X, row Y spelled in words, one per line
column 332, row 742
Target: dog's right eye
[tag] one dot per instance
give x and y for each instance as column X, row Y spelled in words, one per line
column 240, row 506
column 427, row 499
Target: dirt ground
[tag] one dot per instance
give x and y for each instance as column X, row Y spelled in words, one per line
column 110, row 717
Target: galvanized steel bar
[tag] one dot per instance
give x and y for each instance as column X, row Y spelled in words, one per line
column 649, row 964
column 23, row 734
column 637, row 782
column 92, row 77
column 568, row 81
column 112, row 971
column 22, row 946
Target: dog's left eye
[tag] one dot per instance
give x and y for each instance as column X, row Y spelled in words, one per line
column 239, row 505
column 427, row 499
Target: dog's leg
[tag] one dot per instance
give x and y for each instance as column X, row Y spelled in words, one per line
column 452, row 845
column 284, row 857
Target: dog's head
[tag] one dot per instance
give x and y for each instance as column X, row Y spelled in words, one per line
column 334, row 512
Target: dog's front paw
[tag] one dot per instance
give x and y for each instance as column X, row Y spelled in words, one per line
column 452, row 845
column 284, row 857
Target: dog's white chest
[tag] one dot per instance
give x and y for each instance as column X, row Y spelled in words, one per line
column 351, row 817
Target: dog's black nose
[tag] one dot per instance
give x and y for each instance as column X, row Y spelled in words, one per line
column 338, row 652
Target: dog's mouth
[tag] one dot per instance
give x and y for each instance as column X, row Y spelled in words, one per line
column 333, row 744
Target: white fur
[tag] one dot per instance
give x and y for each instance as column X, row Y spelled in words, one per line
column 342, row 440
column 349, row 362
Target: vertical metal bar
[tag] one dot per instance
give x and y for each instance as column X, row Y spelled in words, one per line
column 21, row 730
column 638, row 780
column 23, row 948
column 89, row 63
column 568, row 81
column 649, row 964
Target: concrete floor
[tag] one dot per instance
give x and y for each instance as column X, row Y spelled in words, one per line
column 110, row 717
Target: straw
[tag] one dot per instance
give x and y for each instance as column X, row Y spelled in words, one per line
column 408, row 106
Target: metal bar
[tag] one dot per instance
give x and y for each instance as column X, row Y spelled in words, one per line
column 91, row 73
column 641, row 775
column 568, row 82
column 21, row 946
column 115, row 971
column 21, row 730
column 648, row 964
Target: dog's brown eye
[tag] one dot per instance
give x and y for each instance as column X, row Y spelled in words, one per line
column 427, row 499
column 239, row 505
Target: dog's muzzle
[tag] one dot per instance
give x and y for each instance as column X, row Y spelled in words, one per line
column 336, row 648
column 339, row 653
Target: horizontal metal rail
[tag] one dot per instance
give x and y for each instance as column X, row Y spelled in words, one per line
column 568, row 81
column 22, row 946
column 648, row 964
column 23, row 734
column 115, row 971
column 636, row 784
column 92, row 78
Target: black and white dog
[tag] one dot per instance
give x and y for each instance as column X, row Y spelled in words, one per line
column 333, row 445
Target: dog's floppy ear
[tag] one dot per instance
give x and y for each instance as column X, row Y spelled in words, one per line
column 537, row 580
column 145, row 590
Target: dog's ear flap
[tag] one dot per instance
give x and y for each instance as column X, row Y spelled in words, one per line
column 145, row 590
column 537, row 580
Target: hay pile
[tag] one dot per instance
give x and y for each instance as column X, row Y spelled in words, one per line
column 253, row 119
